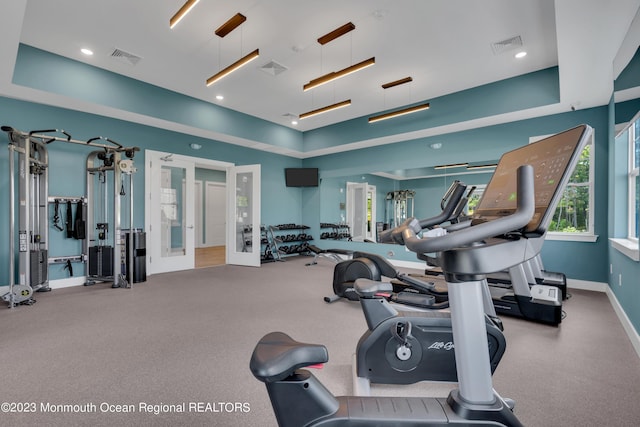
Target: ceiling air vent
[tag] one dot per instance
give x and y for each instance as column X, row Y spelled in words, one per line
column 506, row 45
column 273, row 68
column 125, row 57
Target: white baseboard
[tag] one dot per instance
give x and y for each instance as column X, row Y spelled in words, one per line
column 57, row 284
column 624, row 320
column 587, row 285
column 67, row 282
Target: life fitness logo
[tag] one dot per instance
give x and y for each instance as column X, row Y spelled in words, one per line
column 440, row 345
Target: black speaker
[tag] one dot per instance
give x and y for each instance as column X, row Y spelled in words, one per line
column 139, row 255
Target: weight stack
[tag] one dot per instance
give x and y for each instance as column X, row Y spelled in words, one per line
column 101, row 261
column 38, row 270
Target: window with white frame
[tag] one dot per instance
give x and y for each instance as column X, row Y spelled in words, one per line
column 573, row 219
column 634, row 180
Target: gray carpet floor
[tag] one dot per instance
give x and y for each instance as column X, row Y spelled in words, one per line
column 96, row 356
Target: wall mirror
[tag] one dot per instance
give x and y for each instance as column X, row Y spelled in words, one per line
column 357, row 207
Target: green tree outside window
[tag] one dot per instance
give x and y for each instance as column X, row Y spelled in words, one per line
column 572, row 212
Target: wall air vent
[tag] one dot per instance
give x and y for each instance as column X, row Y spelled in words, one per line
column 506, row 45
column 273, row 68
column 125, row 57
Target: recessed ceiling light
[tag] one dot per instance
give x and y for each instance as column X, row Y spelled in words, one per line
column 294, row 122
column 521, row 54
column 86, row 51
column 219, row 97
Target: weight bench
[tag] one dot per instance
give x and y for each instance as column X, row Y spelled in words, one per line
column 332, row 254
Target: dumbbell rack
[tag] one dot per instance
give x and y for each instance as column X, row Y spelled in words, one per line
column 284, row 239
column 339, row 231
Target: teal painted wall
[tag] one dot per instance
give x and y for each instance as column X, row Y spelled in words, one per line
column 630, row 76
column 579, row 260
column 81, row 81
column 518, row 93
column 624, row 272
column 628, row 292
column 624, row 111
column 68, row 163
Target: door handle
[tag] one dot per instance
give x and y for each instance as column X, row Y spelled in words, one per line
column 190, row 226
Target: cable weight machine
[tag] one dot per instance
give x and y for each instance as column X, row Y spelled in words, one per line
column 33, row 233
column 29, row 207
column 106, row 248
column 399, row 206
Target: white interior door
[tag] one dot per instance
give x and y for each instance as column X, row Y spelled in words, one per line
column 216, row 213
column 171, row 229
column 199, row 214
column 243, row 204
column 357, row 210
column 371, row 213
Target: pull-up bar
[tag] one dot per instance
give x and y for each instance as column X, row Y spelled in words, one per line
column 47, row 139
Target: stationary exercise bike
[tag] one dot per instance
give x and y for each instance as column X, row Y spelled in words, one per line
column 299, row 399
column 409, row 346
column 502, row 234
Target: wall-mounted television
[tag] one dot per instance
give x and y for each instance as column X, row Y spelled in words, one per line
column 301, row 177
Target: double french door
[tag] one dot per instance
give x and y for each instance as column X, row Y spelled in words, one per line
column 170, row 212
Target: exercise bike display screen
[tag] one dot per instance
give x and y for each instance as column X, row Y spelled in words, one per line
column 553, row 160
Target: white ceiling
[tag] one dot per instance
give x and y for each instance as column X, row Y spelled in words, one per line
column 445, row 45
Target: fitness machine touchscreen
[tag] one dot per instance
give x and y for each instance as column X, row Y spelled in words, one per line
column 553, row 160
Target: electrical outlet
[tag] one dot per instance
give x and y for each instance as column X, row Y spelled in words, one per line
column 390, row 254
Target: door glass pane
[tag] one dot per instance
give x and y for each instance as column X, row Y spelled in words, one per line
column 172, row 205
column 359, row 213
column 244, row 194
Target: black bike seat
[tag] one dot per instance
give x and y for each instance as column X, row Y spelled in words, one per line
column 277, row 356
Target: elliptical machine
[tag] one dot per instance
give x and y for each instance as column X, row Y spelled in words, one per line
column 500, row 235
column 405, row 289
column 372, row 266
